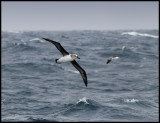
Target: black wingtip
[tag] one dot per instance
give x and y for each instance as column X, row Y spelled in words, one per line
column 86, row 84
column 44, row 38
column 108, row 61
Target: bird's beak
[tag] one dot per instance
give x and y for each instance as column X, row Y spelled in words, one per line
column 78, row 57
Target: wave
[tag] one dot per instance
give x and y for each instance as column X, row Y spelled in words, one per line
column 21, row 47
column 84, row 100
column 139, row 34
column 78, row 107
column 131, row 100
column 37, row 40
column 12, row 31
column 141, row 103
column 3, row 100
column 23, row 43
column 130, row 52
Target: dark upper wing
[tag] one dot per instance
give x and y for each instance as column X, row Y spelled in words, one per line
column 59, row 47
column 82, row 72
column 109, row 60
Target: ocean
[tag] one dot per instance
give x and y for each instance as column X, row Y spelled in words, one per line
column 36, row 89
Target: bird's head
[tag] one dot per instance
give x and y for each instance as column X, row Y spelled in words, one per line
column 74, row 56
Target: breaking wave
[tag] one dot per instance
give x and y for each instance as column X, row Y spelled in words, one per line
column 139, row 34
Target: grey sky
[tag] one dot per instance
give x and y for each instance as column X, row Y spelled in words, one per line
column 79, row 15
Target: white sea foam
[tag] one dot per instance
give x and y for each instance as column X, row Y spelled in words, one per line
column 13, row 31
column 20, row 44
column 3, row 100
column 37, row 39
column 123, row 47
column 139, row 34
column 131, row 100
column 84, row 100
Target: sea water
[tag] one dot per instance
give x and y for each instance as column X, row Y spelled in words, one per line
column 35, row 88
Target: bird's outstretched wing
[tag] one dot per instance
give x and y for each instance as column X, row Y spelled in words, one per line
column 109, row 60
column 59, row 47
column 81, row 70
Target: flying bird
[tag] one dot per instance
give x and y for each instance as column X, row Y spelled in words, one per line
column 111, row 58
column 67, row 57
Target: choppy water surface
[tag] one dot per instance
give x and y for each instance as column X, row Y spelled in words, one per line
column 35, row 88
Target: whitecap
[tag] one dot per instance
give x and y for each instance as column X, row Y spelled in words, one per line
column 36, row 39
column 129, row 33
column 83, row 100
column 123, row 47
column 19, row 44
column 139, row 34
column 3, row 100
column 131, row 100
column 14, row 31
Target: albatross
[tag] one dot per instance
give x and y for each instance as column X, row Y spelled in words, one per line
column 67, row 57
column 111, row 58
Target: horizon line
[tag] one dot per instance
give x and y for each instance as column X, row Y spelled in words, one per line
column 76, row 29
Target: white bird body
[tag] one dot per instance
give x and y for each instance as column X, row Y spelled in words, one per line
column 67, row 58
column 115, row 57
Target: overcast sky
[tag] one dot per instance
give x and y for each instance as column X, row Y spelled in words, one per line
column 72, row 15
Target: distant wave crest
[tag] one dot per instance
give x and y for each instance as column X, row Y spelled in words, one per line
column 88, row 103
column 139, row 34
column 131, row 100
column 37, row 39
column 83, row 100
